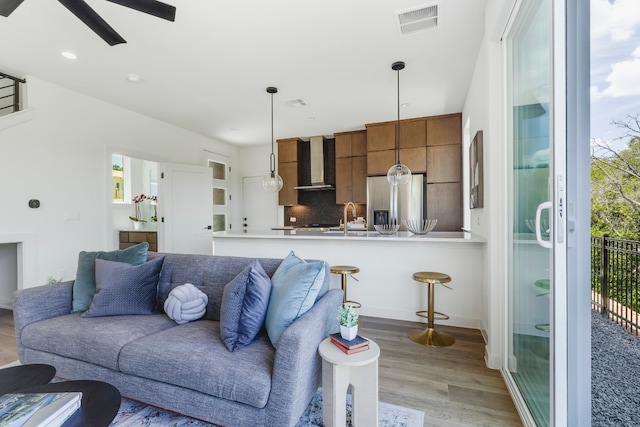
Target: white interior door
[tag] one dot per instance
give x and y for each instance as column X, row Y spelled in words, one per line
column 259, row 207
column 186, row 210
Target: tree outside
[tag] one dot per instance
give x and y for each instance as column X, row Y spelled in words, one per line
column 615, row 184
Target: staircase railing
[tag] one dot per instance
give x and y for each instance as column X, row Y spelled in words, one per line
column 10, row 101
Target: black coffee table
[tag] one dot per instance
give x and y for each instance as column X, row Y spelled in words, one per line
column 18, row 377
column 100, row 401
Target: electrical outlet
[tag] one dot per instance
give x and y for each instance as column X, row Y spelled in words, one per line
column 478, row 220
column 292, row 219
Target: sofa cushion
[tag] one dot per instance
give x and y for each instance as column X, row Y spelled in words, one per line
column 294, row 288
column 244, row 306
column 123, row 289
column 198, row 360
column 208, row 273
column 97, row 340
column 84, row 286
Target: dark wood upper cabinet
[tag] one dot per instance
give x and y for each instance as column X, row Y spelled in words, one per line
column 444, row 130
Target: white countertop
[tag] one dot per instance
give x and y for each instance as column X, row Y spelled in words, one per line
column 400, row 236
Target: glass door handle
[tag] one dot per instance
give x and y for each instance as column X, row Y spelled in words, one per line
column 541, row 242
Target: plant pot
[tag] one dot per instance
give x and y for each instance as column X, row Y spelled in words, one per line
column 348, row 333
column 137, row 225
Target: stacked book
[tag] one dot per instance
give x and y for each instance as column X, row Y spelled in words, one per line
column 38, row 409
column 355, row 345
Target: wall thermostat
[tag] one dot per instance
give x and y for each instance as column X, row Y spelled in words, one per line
column 34, row 203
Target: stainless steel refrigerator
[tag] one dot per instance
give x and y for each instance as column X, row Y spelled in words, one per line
column 385, row 207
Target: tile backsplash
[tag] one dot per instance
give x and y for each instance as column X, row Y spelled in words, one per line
column 318, row 207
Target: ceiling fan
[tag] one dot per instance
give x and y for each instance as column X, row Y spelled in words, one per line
column 99, row 26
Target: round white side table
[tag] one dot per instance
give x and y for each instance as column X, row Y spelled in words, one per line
column 339, row 370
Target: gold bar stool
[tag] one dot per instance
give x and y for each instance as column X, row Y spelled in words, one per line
column 430, row 336
column 344, row 270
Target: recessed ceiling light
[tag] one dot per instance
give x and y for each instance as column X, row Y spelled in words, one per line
column 69, row 55
column 406, row 104
column 133, row 78
column 311, row 118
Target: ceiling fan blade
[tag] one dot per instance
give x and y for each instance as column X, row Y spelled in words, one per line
column 8, row 6
column 150, row 7
column 92, row 20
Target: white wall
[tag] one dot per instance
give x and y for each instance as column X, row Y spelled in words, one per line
column 484, row 108
column 62, row 156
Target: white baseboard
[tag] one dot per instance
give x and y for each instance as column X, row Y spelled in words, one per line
column 461, row 322
column 6, row 303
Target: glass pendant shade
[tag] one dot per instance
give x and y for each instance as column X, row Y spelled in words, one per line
column 272, row 182
column 399, row 174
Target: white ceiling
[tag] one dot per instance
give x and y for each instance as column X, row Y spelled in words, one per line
column 208, row 71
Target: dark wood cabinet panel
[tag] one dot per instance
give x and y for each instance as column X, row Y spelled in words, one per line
column 359, row 143
column 413, row 133
column 414, row 158
column 444, row 203
column 343, row 146
column 444, row 163
column 344, row 188
column 288, row 196
column 130, row 238
column 289, row 150
column 381, row 137
column 444, row 130
column 350, row 144
column 359, row 179
column 379, row 162
column 351, row 179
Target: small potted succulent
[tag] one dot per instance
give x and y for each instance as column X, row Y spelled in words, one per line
column 348, row 319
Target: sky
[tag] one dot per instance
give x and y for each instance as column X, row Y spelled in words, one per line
column 615, row 67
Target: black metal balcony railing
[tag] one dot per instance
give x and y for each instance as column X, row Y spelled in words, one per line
column 615, row 284
column 9, row 94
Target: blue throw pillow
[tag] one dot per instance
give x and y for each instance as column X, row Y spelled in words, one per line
column 294, row 288
column 122, row 288
column 244, row 306
column 84, row 286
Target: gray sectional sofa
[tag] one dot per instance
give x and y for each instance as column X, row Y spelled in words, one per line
column 184, row 368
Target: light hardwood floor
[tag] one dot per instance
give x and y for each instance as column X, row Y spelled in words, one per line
column 452, row 384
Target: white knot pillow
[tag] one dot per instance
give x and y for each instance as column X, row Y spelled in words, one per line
column 186, row 303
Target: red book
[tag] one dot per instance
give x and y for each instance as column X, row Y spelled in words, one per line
column 357, row 342
column 351, row 350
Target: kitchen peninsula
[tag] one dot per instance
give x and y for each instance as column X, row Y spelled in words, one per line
column 385, row 287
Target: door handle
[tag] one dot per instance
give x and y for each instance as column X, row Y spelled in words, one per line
column 544, row 243
column 208, row 227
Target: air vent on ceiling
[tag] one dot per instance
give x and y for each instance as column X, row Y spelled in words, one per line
column 296, row 103
column 419, row 18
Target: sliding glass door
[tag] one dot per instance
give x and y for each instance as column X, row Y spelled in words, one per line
column 530, row 193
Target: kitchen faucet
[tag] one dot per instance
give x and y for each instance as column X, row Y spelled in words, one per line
column 353, row 212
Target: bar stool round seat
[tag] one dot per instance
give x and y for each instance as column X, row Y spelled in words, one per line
column 345, row 270
column 430, row 336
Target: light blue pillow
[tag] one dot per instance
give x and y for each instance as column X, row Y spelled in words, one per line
column 294, row 288
column 244, row 306
column 123, row 289
column 84, row 286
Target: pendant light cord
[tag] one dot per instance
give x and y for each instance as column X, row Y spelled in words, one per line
column 272, row 158
column 398, row 126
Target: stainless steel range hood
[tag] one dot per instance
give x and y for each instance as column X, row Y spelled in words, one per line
column 316, row 148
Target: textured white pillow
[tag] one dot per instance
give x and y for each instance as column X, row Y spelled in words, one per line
column 186, row 303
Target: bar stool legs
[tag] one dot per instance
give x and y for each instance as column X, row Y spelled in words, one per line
column 344, row 270
column 430, row 336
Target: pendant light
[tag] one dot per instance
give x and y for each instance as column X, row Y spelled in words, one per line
column 398, row 174
column 272, row 182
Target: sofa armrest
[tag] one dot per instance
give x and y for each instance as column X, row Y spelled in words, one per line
column 297, row 366
column 42, row 302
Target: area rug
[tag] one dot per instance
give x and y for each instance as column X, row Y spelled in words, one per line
column 135, row 414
